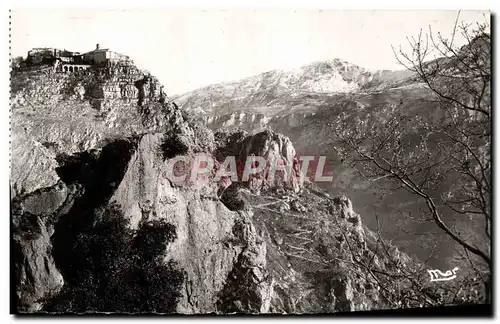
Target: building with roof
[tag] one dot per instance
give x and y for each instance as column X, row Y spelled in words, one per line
column 101, row 56
column 66, row 61
column 47, row 55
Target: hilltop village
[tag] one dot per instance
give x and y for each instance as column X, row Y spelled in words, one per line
column 62, row 60
column 99, row 75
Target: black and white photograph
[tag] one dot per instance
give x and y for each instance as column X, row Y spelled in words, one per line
column 250, row 161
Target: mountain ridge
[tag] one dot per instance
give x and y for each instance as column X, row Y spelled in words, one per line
column 316, row 78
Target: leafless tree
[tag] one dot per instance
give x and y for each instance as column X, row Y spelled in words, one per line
column 443, row 157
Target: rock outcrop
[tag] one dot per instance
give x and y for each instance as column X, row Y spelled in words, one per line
column 34, row 216
column 282, row 165
column 67, row 113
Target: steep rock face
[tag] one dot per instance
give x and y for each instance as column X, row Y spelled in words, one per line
column 213, row 243
column 53, row 117
column 33, row 217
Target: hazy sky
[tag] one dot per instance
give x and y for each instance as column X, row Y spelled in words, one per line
column 188, row 49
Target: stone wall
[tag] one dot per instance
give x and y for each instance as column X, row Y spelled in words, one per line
column 73, row 67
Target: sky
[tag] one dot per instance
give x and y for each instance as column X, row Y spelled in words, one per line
column 190, row 48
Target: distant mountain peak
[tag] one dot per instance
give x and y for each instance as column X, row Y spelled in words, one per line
column 268, row 89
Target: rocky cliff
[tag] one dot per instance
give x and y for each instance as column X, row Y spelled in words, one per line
column 98, row 226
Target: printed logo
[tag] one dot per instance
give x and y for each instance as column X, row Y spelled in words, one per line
column 202, row 167
column 437, row 275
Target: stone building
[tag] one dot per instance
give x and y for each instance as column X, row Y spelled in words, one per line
column 101, row 56
column 41, row 55
column 47, row 55
column 63, row 60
